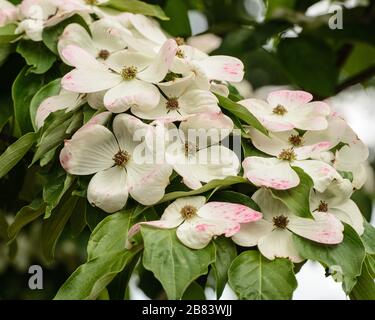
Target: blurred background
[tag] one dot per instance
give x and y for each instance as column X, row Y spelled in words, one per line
column 324, row 47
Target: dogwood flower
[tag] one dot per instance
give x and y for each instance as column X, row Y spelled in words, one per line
column 103, row 41
column 286, row 110
column 8, row 12
column 197, row 222
column 129, row 76
column 94, row 149
column 179, row 100
column 195, row 152
column 336, row 201
column 274, row 233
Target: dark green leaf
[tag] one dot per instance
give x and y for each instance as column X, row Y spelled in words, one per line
column 78, row 219
column 297, row 199
column 194, row 292
column 173, row 264
column 235, row 197
column 368, row 238
column 365, row 286
column 254, row 277
column 179, row 24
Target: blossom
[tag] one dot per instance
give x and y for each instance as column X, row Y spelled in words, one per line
column 286, row 110
column 180, row 99
column 8, row 13
column 194, row 149
column 197, row 222
column 129, row 76
column 94, row 149
column 274, row 233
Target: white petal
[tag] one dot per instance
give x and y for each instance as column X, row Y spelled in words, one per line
column 279, row 244
column 131, row 93
column 349, row 213
column 147, row 183
column 121, row 59
column 148, row 27
column 106, row 36
column 107, row 190
column 158, row 69
column 321, row 173
column 250, row 233
column 270, row 172
column 306, row 117
column 177, row 87
column 80, row 58
column 289, row 99
column 325, row 228
column 89, row 151
column 223, row 68
column 206, row 42
column 173, row 211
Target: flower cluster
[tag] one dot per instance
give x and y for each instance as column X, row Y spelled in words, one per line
column 156, row 111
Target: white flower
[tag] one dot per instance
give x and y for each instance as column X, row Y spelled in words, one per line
column 105, row 38
column 118, row 172
column 197, row 222
column 286, row 110
column 195, row 152
column 206, row 43
column 336, row 200
column 8, row 13
column 129, row 76
column 180, row 99
column 274, row 234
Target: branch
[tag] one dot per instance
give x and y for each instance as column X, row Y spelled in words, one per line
column 358, row 78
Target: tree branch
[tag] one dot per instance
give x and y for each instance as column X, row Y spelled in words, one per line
column 358, row 78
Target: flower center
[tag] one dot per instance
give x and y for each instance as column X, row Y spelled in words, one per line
column 296, row 140
column 172, row 104
column 129, row 73
column 180, row 41
column 288, row 155
column 91, row 2
column 103, row 54
column 280, row 222
column 279, row 110
column 323, row 206
column 180, row 53
column 188, row 212
column 121, row 158
column 190, row 149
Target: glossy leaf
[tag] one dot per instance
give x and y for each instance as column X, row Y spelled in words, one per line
column 368, row 238
column 365, row 286
column 179, row 24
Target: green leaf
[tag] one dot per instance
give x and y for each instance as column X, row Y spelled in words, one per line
column 7, row 34
column 54, row 226
column 135, row 6
column 179, row 24
column 254, row 277
column 173, row 264
column 207, row 187
column 26, row 215
column 297, row 199
column 50, row 89
column 236, row 197
column 24, row 88
column 310, row 62
column 347, row 256
column 37, row 56
column 78, row 220
column 91, row 278
column 225, row 253
column 55, row 189
column 368, row 238
column 241, row 112
column 15, row 152
column 365, row 286
column 110, row 234
column 52, row 34
column 3, row 228
column 194, row 292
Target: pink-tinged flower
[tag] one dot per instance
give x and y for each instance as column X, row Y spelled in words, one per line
column 197, row 222
column 113, row 159
column 274, row 234
column 129, row 77
column 286, row 110
column 8, row 12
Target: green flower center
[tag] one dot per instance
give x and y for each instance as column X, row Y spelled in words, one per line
column 288, row 155
column 121, row 158
column 188, row 212
column 280, row 222
column 129, row 73
column 279, row 110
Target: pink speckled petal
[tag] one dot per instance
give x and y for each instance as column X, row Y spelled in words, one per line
column 312, row 150
column 107, row 190
column 223, row 68
column 197, row 233
column 326, row 228
column 159, row 68
column 279, row 244
column 80, row 58
column 270, row 172
column 288, row 98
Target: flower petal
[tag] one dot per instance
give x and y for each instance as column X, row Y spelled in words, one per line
column 349, row 213
column 107, row 190
column 106, row 36
column 289, row 99
column 90, row 150
column 121, row 59
column 269, row 206
column 223, row 68
column 279, row 244
column 270, row 172
column 173, row 211
column 250, row 233
column 80, row 58
column 148, row 27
